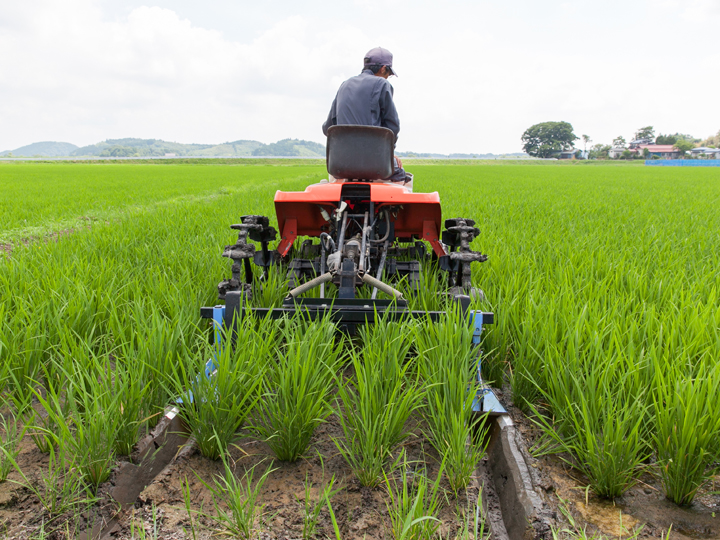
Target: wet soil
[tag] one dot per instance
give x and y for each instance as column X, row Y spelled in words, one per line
column 361, row 512
column 642, row 508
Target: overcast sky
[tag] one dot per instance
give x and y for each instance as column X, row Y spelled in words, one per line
column 472, row 75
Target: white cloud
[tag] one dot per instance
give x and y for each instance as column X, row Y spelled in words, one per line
column 473, row 75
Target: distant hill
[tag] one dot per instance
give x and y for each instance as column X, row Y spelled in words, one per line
column 131, row 147
column 46, row 148
column 157, row 147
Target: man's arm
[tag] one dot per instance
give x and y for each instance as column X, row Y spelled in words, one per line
column 332, row 117
column 388, row 112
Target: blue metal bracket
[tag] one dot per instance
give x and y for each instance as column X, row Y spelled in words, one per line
column 485, row 400
column 218, row 316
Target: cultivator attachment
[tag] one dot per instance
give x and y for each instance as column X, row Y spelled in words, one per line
column 363, row 237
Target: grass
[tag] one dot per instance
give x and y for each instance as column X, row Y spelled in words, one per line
column 375, row 407
column 603, row 280
column 11, row 434
column 218, row 398
column 237, row 501
column 687, row 436
column 413, row 504
column 447, row 363
column 298, row 386
column 313, row 506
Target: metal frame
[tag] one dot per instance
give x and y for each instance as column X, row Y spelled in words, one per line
column 349, row 313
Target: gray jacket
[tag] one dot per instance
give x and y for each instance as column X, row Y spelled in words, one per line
column 365, row 100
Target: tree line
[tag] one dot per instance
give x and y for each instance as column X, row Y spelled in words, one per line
column 549, row 139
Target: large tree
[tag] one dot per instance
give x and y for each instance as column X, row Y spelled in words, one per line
column 619, row 142
column 647, row 132
column 548, row 138
column 675, row 137
column 684, row 145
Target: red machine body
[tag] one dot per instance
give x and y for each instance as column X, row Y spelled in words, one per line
column 298, row 212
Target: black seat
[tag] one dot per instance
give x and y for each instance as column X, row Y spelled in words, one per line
column 360, row 152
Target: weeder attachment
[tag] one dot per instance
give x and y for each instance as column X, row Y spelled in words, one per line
column 458, row 234
column 258, row 229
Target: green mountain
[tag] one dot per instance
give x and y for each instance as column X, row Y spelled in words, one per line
column 157, row 147
column 46, row 148
column 131, row 147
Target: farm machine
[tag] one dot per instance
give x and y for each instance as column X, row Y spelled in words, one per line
column 349, row 240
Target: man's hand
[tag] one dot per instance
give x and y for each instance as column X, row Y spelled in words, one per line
column 399, row 162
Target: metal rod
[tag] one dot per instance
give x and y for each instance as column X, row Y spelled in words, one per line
column 381, row 267
column 322, row 267
column 372, row 220
column 363, row 245
column 384, row 287
column 341, row 238
column 297, row 291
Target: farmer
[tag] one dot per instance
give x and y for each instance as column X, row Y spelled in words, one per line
column 367, row 100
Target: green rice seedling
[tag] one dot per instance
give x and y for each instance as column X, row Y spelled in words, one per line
column 447, row 364
column 333, row 519
column 376, row 406
column 311, row 509
column 215, row 405
column 89, row 432
column 241, row 499
column 4, row 361
column 457, row 440
column 59, row 491
column 602, row 431
column 11, row 434
column 687, row 419
column 188, row 507
column 270, row 291
column 128, row 385
column 40, row 427
column 471, row 528
column 23, row 345
column 42, row 430
column 297, row 387
column 155, row 346
column 413, row 504
column 139, row 531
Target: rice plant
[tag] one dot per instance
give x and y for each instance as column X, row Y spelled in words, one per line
column 472, row 520
column 218, row 396
column 603, row 431
column 157, row 344
column 374, row 408
column 413, row 504
column 88, row 432
column 447, row 362
column 61, row 489
column 237, row 502
column 297, row 387
column 687, row 433
column 11, row 434
column 128, row 385
column 312, row 508
column 139, row 528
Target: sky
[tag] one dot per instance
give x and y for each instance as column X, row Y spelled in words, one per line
column 473, row 75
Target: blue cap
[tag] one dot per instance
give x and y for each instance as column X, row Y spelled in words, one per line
column 381, row 57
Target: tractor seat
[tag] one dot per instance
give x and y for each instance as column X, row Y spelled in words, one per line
column 360, row 152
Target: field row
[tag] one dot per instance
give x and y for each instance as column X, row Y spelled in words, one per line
column 603, row 280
